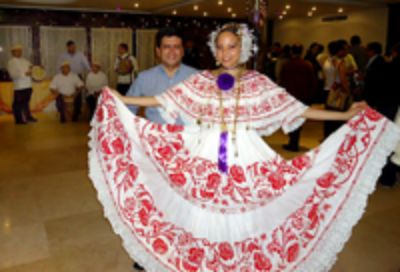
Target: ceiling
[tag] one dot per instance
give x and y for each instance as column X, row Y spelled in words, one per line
column 209, row 8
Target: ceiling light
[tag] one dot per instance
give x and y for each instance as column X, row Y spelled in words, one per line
column 309, row 14
column 220, row 2
column 284, row 12
column 340, row 10
column 196, row 7
column 229, row 9
column 287, row 7
column 280, row 17
column 314, row 8
column 205, row 14
column 136, row 5
column 233, row 15
column 174, row 12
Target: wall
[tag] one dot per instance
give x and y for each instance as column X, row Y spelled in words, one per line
column 196, row 29
column 370, row 24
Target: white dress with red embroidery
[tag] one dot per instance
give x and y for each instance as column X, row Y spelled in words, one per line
column 175, row 211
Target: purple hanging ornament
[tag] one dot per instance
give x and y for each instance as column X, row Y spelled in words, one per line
column 225, row 81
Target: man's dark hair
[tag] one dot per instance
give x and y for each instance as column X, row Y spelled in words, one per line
column 70, row 42
column 376, row 47
column 167, row 32
column 124, row 46
column 297, row 49
column 355, row 40
column 333, row 48
column 342, row 44
column 396, row 48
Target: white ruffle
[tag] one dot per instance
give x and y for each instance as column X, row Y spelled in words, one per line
column 340, row 231
column 331, row 243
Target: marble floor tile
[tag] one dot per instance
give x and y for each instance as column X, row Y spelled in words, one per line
column 22, row 244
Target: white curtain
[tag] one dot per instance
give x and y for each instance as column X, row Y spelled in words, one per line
column 12, row 35
column 104, row 45
column 52, row 44
column 145, row 48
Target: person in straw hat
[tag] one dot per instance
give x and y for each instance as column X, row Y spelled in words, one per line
column 19, row 69
column 66, row 85
column 96, row 80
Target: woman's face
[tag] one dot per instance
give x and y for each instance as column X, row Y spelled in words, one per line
column 228, row 50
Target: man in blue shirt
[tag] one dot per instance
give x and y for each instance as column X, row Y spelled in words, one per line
column 78, row 61
column 168, row 73
column 160, row 78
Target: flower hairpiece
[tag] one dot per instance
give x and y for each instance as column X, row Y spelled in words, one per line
column 249, row 47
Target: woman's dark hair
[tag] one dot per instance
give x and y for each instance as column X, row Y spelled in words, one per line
column 167, row 32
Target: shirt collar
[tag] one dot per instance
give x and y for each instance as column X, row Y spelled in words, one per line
column 161, row 69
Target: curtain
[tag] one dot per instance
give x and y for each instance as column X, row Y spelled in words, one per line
column 145, row 48
column 52, row 44
column 11, row 35
column 104, row 45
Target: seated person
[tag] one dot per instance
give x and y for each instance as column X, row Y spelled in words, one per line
column 95, row 81
column 68, row 86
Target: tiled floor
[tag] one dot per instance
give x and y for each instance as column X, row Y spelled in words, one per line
column 50, row 219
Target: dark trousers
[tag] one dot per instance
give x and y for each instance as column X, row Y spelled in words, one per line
column 91, row 100
column 294, row 138
column 330, row 126
column 123, row 88
column 60, row 104
column 20, row 105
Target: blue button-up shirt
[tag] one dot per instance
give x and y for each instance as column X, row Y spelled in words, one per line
column 78, row 62
column 154, row 82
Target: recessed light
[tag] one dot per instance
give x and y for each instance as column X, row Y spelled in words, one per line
column 314, row 8
column 284, row 12
column 229, row 9
column 136, row 5
column 220, row 2
column 288, row 7
column 174, row 12
column 280, row 17
column 233, row 15
column 205, row 14
column 340, row 10
column 309, row 14
column 196, row 7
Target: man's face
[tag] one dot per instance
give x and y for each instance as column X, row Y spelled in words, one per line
column 95, row 68
column 65, row 69
column 17, row 53
column 121, row 50
column 170, row 51
column 71, row 49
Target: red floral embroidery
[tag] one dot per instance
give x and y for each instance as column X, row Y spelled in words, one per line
column 213, row 181
column 159, row 246
column 261, row 262
column 178, row 250
column 237, row 174
column 326, row 180
column 226, row 251
column 178, row 179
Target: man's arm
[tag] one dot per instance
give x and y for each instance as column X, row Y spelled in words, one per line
column 85, row 63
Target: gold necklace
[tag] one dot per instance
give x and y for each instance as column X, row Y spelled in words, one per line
column 224, row 126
